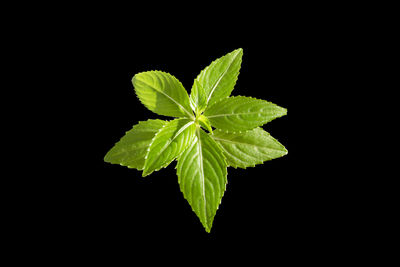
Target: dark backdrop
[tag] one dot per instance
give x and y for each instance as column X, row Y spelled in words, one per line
column 77, row 63
column 98, row 204
column 264, row 201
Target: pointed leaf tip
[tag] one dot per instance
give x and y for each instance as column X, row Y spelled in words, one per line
column 249, row 148
column 240, row 113
column 202, row 172
column 131, row 149
column 239, row 50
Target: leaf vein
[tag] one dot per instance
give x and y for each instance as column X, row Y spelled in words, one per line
column 169, row 97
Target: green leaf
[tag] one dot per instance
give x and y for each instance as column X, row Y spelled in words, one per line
column 130, row 151
column 201, row 171
column 203, row 157
column 168, row 143
column 241, row 113
column 218, row 79
column 162, row 93
column 205, row 123
column 198, row 98
column 249, row 148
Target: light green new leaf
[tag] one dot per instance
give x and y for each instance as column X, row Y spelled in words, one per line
column 202, row 174
column 168, row 143
column 130, row 151
column 218, row 79
column 198, row 98
column 162, row 93
column 205, row 123
column 241, row 113
column 248, row 148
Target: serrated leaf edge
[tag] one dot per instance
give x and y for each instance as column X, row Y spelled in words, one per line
column 257, row 163
column 213, row 63
column 230, row 64
column 187, row 111
column 226, row 164
column 243, row 131
column 126, row 132
column 148, row 151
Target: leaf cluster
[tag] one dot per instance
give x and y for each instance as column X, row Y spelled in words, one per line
column 210, row 132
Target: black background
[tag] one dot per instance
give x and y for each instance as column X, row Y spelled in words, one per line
column 72, row 67
column 95, row 205
column 262, row 202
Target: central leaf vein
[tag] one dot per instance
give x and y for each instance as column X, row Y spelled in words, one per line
column 232, row 114
column 201, row 172
column 219, row 79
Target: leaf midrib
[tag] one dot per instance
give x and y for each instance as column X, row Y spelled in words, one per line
column 123, row 151
column 241, row 143
column 233, row 114
column 202, row 174
column 170, row 141
column 220, row 78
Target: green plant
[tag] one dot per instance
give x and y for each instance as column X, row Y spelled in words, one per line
column 237, row 139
